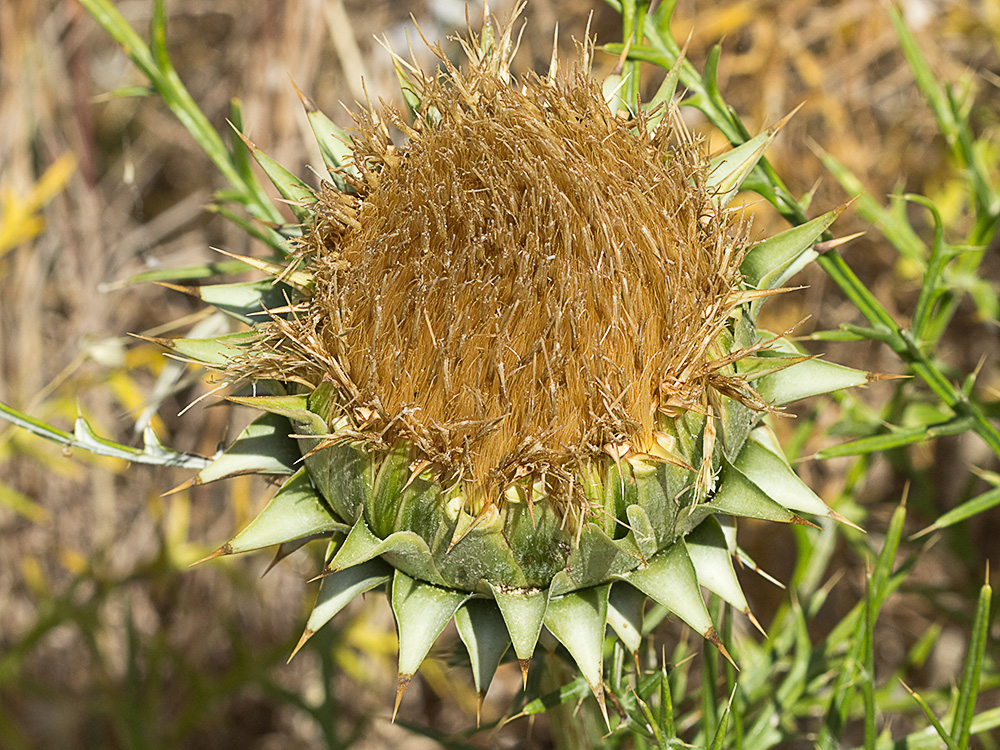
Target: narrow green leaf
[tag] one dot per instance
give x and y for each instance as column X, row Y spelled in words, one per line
column 334, row 144
column 294, row 407
column 898, row 437
column 187, row 273
column 410, row 96
column 241, row 157
column 720, row 733
column 986, row 721
column 666, row 706
column 642, row 52
column 158, row 37
column 950, row 744
column 275, row 236
column 710, row 76
column 569, row 693
column 711, row 723
column 930, row 287
column 795, row 681
column 968, row 509
column 953, row 123
column 866, row 682
column 658, row 735
column 83, row 436
column 894, row 226
column 887, row 556
column 154, row 63
column 968, row 689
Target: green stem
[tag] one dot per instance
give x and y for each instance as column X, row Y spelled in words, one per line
column 153, row 61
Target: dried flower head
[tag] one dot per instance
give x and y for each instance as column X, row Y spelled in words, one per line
column 529, row 280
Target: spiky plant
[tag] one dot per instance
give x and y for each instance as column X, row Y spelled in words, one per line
column 519, row 359
column 511, row 368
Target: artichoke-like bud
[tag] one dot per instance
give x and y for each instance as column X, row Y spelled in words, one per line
column 513, row 367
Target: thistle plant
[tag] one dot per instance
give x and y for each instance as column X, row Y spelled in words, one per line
column 510, row 368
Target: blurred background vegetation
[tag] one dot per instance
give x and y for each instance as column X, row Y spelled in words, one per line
column 108, row 640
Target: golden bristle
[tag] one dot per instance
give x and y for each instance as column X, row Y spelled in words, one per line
column 514, row 286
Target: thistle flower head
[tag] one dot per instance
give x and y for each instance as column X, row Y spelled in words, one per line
column 519, row 357
column 529, row 282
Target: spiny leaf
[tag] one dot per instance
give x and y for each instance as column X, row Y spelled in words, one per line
column 421, row 612
column 766, row 263
column 295, row 511
column 213, row 352
column 403, row 549
column 334, row 143
column 339, row 589
column 303, row 281
column 523, row 611
column 738, row 496
column 482, row 630
column 247, row 301
column 578, row 620
column 292, row 189
column 671, row 580
column 763, row 463
column 727, row 171
column 713, row 564
column 625, row 608
column 294, row 407
column 809, row 378
column 84, row 437
column 262, row 448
